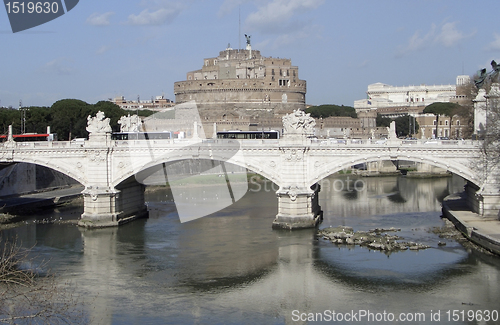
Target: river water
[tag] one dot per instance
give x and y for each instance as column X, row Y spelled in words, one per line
column 232, row 268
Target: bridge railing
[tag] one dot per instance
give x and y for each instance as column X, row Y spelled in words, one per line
column 397, row 142
column 250, row 142
column 42, row 144
column 183, row 142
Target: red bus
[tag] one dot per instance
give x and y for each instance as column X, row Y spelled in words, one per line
column 29, row 137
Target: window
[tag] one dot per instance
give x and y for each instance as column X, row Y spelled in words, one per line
column 458, row 122
column 446, row 122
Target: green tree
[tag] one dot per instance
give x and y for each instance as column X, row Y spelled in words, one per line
column 9, row 116
column 111, row 110
column 37, row 119
column 404, row 124
column 325, row 111
column 382, row 121
column 66, row 117
column 69, row 118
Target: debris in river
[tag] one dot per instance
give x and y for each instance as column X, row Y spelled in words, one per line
column 375, row 238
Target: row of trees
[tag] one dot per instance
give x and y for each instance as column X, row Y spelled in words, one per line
column 67, row 117
column 324, row 111
column 404, row 124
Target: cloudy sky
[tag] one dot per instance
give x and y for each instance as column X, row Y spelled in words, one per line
column 102, row 49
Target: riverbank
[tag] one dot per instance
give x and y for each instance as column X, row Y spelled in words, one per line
column 484, row 232
column 15, row 208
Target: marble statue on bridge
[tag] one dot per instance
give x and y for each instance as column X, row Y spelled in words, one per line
column 98, row 124
column 130, row 123
column 298, row 123
column 482, row 76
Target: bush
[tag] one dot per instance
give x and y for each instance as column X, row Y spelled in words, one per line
column 29, row 297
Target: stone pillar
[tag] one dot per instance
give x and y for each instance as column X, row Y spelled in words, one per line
column 105, row 205
column 10, row 137
column 488, row 195
column 298, row 208
column 486, row 200
column 100, row 207
column 109, row 207
column 297, row 203
column 484, row 197
column 480, row 114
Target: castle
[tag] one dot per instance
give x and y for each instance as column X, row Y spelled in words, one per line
column 243, row 83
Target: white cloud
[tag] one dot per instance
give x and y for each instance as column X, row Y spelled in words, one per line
column 296, row 36
column 417, row 42
column 495, row 44
column 447, row 35
column 103, row 49
column 280, row 15
column 97, row 19
column 161, row 12
column 57, row 66
column 229, row 5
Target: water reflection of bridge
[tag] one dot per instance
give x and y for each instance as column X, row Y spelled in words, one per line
column 202, row 271
column 385, row 195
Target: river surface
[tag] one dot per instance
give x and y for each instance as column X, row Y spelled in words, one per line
column 232, row 268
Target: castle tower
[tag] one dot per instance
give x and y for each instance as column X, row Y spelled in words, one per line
column 243, row 83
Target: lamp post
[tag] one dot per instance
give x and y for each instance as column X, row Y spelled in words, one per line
column 23, row 117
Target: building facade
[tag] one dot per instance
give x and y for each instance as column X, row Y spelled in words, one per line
column 157, row 103
column 430, row 127
column 245, row 82
column 394, row 101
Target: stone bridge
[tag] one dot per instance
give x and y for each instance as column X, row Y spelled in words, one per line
column 296, row 163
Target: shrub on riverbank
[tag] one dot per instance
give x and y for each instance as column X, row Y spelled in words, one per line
column 28, row 295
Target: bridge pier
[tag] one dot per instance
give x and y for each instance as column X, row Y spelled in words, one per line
column 483, row 201
column 109, row 207
column 298, row 208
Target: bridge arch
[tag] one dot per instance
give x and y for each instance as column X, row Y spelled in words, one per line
column 344, row 163
column 248, row 163
column 63, row 167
